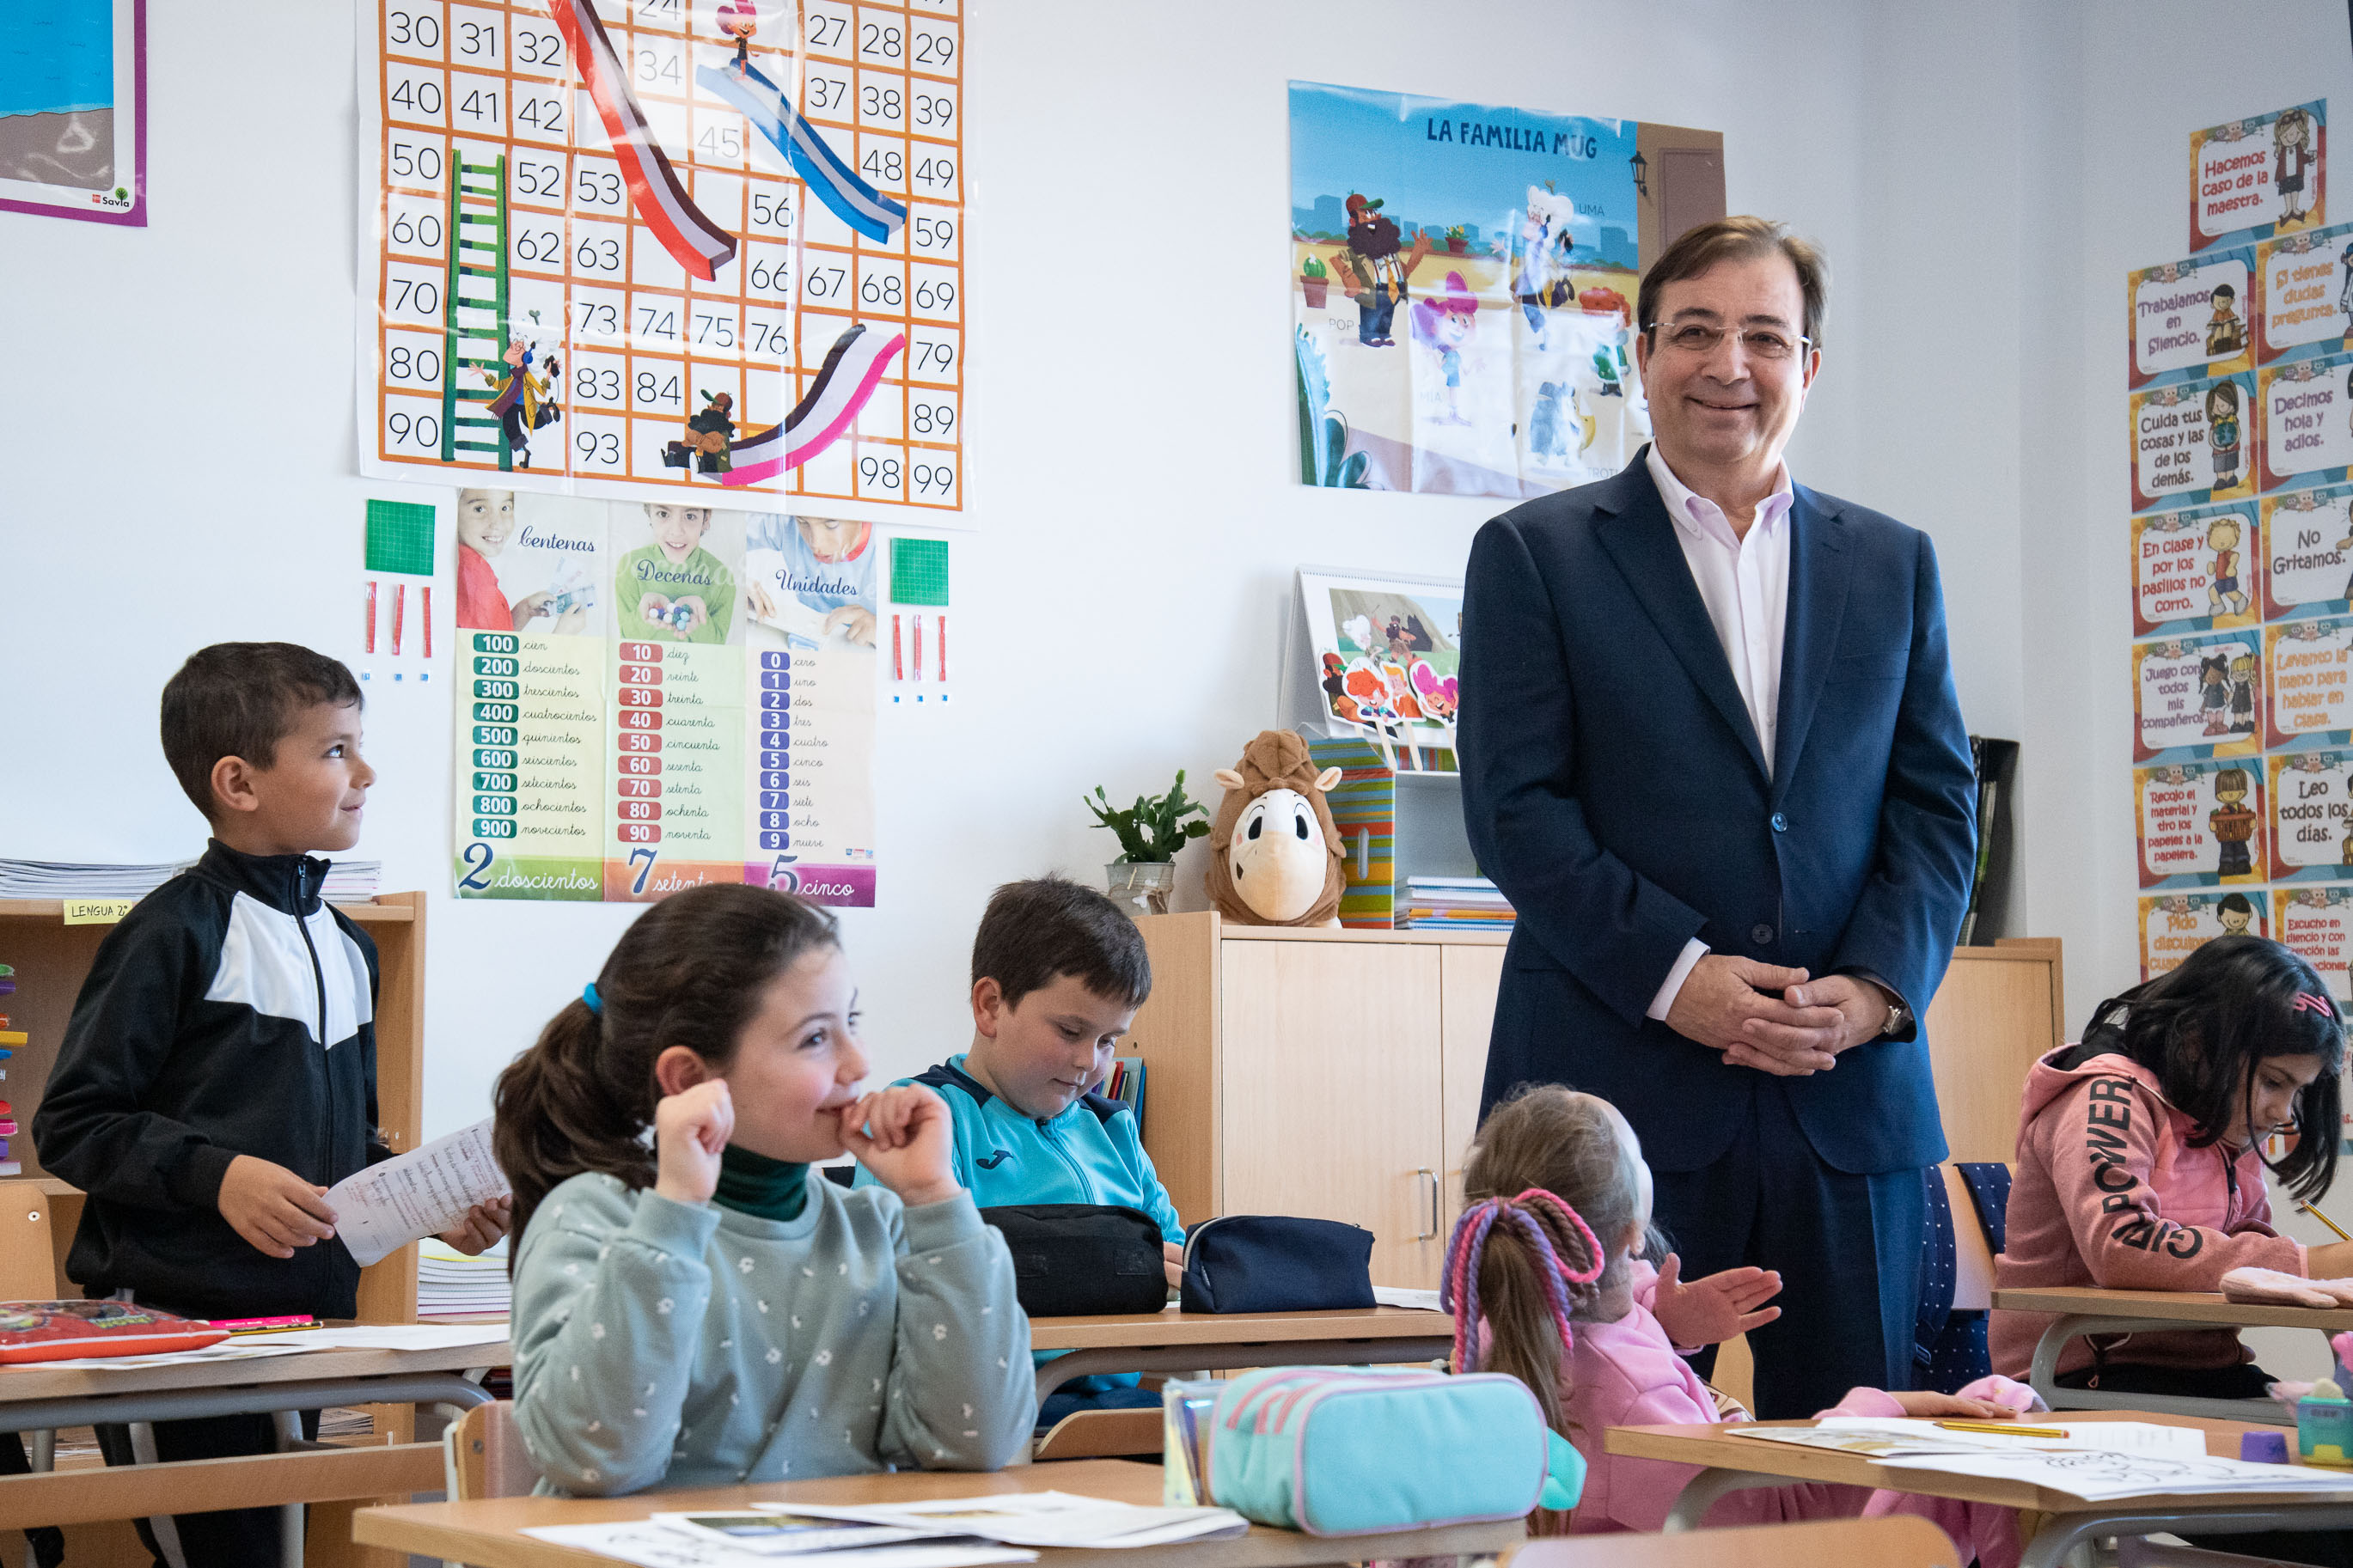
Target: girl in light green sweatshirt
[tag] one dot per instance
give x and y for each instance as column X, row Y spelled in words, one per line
column 697, row 1311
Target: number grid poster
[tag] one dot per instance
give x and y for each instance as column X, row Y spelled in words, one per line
column 619, row 249
column 2239, row 394
column 653, row 696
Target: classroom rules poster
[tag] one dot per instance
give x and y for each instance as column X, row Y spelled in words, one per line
column 2239, row 402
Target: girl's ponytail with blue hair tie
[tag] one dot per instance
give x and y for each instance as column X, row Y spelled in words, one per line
column 594, row 1003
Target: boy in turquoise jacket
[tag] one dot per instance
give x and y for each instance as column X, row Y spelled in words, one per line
column 1058, row 974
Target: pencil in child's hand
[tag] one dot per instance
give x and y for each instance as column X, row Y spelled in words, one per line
column 2324, row 1219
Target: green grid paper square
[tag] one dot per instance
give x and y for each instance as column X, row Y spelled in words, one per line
column 400, row 538
column 919, row 572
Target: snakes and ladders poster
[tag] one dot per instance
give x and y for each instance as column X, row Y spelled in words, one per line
column 653, row 695
column 708, row 248
column 1463, row 285
column 2238, row 397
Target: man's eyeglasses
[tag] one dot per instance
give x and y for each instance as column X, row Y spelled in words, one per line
column 1760, row 342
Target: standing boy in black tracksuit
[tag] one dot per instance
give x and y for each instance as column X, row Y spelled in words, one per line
column 218, row 1074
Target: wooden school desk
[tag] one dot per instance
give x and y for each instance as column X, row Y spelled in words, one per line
column 2084, row 1310
column 1731, row 1464
column 488, row 1535
column 1174, row 1340
column 44, row 1397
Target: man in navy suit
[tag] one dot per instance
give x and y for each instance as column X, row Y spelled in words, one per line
column 1711, row 750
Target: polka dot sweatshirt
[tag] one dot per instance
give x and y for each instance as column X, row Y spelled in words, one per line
column 664, row 1344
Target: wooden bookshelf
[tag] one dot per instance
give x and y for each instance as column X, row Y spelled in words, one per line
column 52, row 958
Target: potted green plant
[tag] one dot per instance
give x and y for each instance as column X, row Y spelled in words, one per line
column 1150, row 833
column 1314, row 280
column 1457, row 240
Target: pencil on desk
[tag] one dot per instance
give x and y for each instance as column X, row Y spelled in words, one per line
column 2003, row 1429
column 2324, row 1219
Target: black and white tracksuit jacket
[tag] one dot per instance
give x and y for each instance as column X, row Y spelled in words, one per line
column 231, row 1013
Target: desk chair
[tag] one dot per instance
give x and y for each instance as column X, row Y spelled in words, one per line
column 1965, row 1230
column 1102, row 1434
column 482, row 1455
column 2140, row 1551
column 1899, row 1541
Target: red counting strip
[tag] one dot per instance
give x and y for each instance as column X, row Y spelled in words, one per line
column 699, row 246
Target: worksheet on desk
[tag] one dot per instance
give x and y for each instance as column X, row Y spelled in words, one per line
column 1914, row 1434
column 652, row 1545
column 2100, row 1477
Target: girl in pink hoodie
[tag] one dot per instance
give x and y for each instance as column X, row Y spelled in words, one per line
column 1553, row 1171
column 2140, row 1163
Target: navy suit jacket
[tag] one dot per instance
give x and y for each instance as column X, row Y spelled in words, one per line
column 1614, row 787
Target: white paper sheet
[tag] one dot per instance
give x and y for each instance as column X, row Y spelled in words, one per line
column 1919, row 1435
column 422, row 1192
column 657, row 1546
column 228, row 1350
column 783, row 1532
column 1051, row 1519
column 2098, row 1478
column 1399, row 1296
column 1874, row 1440
column 393, row 1337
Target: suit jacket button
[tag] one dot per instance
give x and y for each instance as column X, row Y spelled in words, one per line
column 1780, row 822
column 1760, row 933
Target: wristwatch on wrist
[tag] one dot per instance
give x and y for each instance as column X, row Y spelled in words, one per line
column 1899, row 1017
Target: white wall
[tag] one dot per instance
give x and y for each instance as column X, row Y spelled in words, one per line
column 177, row 444
column 2112, row 95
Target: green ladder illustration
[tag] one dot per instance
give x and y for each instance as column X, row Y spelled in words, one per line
column 474, row 308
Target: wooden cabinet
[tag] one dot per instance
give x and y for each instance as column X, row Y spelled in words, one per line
column 1329, row 1072
column 51, row 958
column 1328, row 1034
column 2000, row 1008
column 1336, row 1072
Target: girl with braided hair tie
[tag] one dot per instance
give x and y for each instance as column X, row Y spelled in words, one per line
column 1546, row 1277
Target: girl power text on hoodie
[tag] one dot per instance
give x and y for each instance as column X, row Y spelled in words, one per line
column 2110, row 1193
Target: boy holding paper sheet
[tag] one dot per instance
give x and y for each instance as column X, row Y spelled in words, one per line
column 219, row 1073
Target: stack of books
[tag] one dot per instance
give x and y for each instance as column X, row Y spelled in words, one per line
column 65, row 879
column 1126, row 1084
column 353, row 882
column 10, row 1041
column 451, row 1285
column 348, row 882
column 1454, row 903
